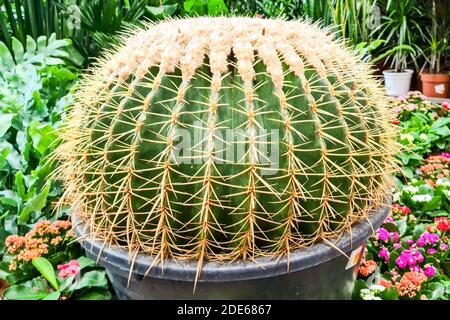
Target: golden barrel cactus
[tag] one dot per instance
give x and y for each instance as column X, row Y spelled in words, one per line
column 294, row 142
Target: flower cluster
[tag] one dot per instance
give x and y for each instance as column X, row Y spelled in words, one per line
column 442, row 224
column 415, row 101
column 409, row 262
column 367, row 267
column 43, row 239
column 398, row 210
column 410, row 284
column 435, row 168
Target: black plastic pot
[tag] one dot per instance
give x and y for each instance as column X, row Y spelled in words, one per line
column 319, row 272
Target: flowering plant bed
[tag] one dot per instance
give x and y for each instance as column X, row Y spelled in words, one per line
column 408, row 258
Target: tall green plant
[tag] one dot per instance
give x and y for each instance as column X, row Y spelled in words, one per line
column 401, row 29
column 437, row 33
column 352, row 18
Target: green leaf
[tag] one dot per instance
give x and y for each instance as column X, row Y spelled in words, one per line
column 30, row 290
column 46, row 269
column 9, row 198
column 418, row 230
column 12, row 157
column 436, row 290
column 5, row 56
column 402, row 226
column 19, row 184
column 85, row 262
column 42, row 135
column 53, row 296
column 434, row 203
column 163, row 11
column 34, row 204
column 390, row 227
column 217, row 8
column 389, row 294
column 18, row 50
column 408, row 172
column 5, row 123
column 96, row 294
column 91, row 279
column 394, row 255
column 195, row 7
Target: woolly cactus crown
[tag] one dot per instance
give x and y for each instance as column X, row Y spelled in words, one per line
column 316, row 144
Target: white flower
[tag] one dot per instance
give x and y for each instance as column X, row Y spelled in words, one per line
column 443, row 182
column 396, row 196
column 377, row 287
column 423, row 137
column 411, row 189
column 421, row 198
column 409, row 137
column 447, row 192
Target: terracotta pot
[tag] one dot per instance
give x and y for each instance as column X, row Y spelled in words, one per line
column 435, row 85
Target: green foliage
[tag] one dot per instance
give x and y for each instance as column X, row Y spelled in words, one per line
column 437, row 34
column 90, row 284
column 46, row 269
column 425, row 129
column 402, row 30
column 421, row 208
column 211, row 8
column 288, row 9
column 34, row 91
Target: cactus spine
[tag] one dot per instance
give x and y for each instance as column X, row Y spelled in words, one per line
column 336, row 145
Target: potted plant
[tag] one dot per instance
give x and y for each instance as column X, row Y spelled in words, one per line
column 400, row 28
column 171, row 182
column 435, row 82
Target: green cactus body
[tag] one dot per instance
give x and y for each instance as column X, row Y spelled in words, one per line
column 253, row 77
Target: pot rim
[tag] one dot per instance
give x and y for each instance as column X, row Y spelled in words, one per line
column 392, row 71
column 117, row 259
column 434, row 75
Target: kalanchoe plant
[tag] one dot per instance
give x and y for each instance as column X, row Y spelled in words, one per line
column 407, row 262
column 286, row 84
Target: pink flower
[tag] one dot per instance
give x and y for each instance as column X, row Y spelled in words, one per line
column 430, row 271
column 443, row 247
column 401, row 262
column 427, row 238
column 402, row 99
column 410, row 241
column 416, row 269
column 445, row 105
column 431, row 251
column 383, row 235
column 397, row 246
column 412, row 107
column 390, row 220
column 395, row 237
column 396, row 110
column 69, row 269
column 384, row 254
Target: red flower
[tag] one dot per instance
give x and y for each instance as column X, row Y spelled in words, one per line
column 396, row 208
column 442, row 224
column 395, row 121
column 445, row 106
